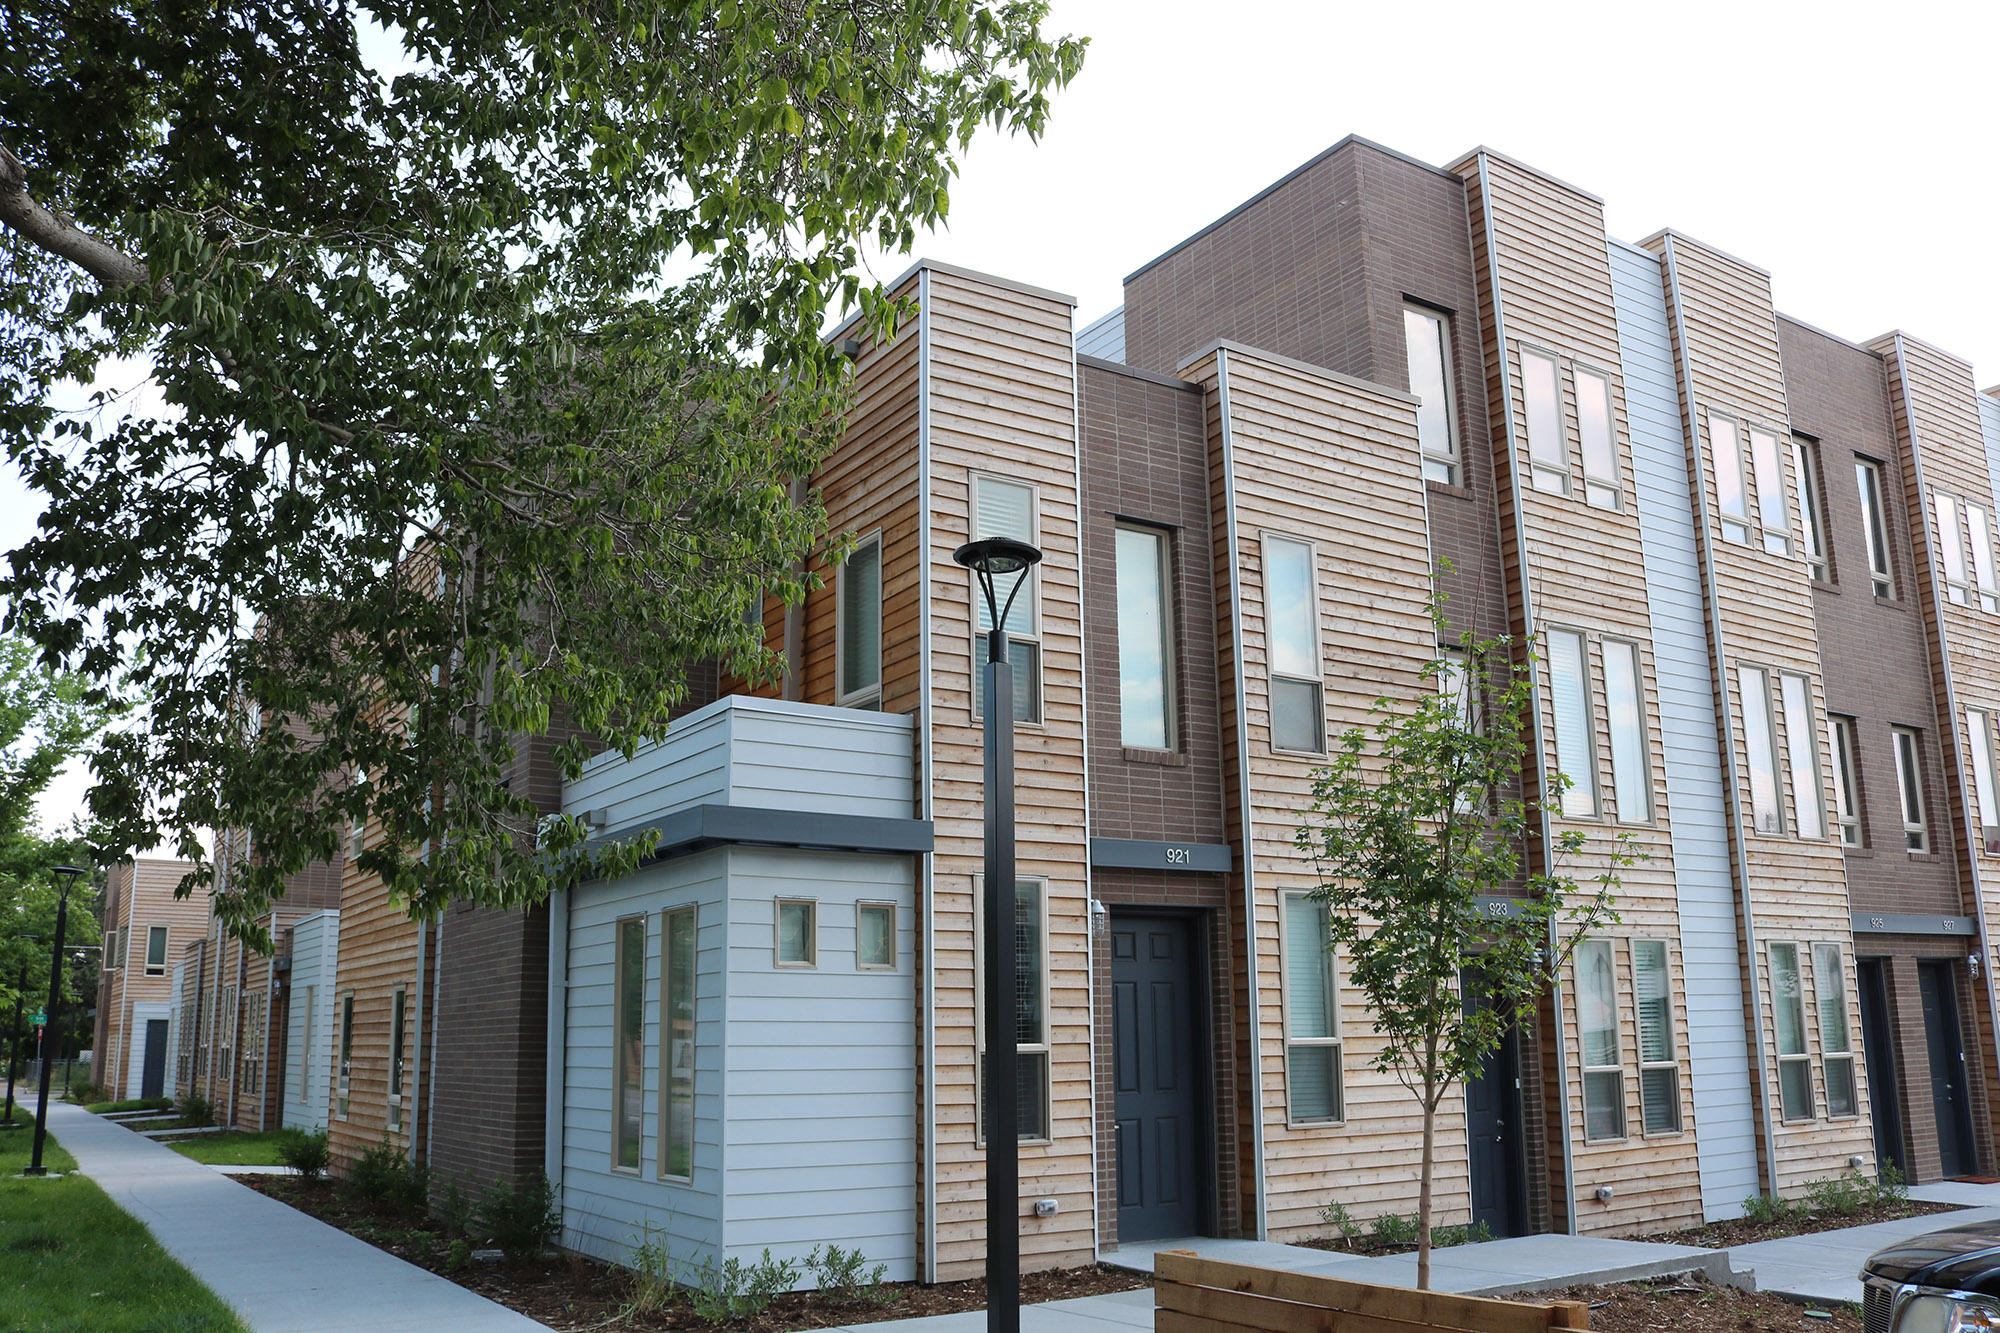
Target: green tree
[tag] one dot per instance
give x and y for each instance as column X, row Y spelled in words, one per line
column 1413, row 820
column 483, row 386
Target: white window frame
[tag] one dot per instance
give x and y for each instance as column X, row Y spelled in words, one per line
column 1812, row 508
column 1950, row 530
column 1169, row 630
column 1985, row 780
column 667, row 1122
column 619, row 1088
column 1795, row 705
column 778, row 959
column 1767, row 816
column 1802, row 1057
column 848, row 694
column 1294, row 1041
column 895, row 949
column 1315, row 647
column 399, row 1035
column 1601, row 489
column 1767, row 466
column 1836, row 1039
column 1600, row 1072
column 1846, row 781
column 1874, row 526
column 1909, row 746
column 160, row 933
column 1440, row 464
column 1583, row 800
column 1029, row 691
column 1548, row 442
column 1670, row 1065
column 1631, row 755
column 1044, row 1048
column 1727, row 445
column 1979, row 539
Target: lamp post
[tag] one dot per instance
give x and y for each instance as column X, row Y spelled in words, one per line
column 993, row 559
column 68, row 876
column 14, row 1054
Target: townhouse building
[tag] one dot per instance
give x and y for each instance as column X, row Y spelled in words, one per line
column 1758, row 563
column 143, row 924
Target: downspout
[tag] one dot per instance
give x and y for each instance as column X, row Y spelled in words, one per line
column 927, row 885
column 556, row 1047
column 1090, row 911
column 236, row 1030
column 1248, row 822
column 418, row 1068
column 1732, row 795
column 1535, row 730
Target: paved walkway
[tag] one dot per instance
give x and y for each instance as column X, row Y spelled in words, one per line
column 1824, row 1267
column 283, row 1271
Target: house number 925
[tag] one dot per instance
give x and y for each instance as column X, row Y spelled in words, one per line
column 1178, row 856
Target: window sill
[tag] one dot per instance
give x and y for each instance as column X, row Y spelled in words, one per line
column 1316, row 756
column 1864, row 853
column 1457, row 490
column 1895, row 602
column 1303, row 1125
column 1163, row 758
column 1652, row 1135
column 1924, row 856
column 1821, row 585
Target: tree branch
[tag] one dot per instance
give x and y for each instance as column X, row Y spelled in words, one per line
column 58, row 233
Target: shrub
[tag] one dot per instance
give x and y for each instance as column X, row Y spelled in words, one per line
column 1443, row 1238
column 304, row 1153
column 1336, row 1216
column 653, row 1287
column 453, row 1210
column 1395, row 1229
column 843, row 1275
column 1840, row 1195
column 196, row 1111
column 523, row 1220
column 84, row 1093
column 1890, row 1186
column 387, row 1179
column 459, row 1258
column 1768, row 1208
column 724, row 1291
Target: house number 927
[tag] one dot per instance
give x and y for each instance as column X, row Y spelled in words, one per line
column 1179, row 856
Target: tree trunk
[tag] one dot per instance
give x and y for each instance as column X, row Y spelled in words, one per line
column 1424, row 1192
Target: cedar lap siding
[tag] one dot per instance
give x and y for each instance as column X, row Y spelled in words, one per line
column 1261, row 391
column 138, row 897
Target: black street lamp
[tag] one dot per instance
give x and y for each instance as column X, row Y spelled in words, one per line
column 14, row 1054
column 68, row 876
column 992, row 559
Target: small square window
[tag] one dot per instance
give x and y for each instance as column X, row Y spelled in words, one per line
column 798, row 932
column 875, row 936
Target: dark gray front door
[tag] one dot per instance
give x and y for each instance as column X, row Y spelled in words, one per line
column 153, row 1075
column 1493, row 1128
column 1157, row 1062
column 1948, row 1088
column 1885, row 1097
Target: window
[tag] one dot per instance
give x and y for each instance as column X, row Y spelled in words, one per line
column 1601, row 484
column 628, row 1049
column 1569, row 690
column 1812, row 536
column 1979, row 736
column 1910, row 783
column 1802, row 754
column 875, row 937
column 1979, row 530
column 1603, row 1065
column 1659, row 1068
column 1313, row 1081
column 1291, row 620
column 798, row 932
column 1755, row 687
column 1456, row 684
column 1727, row 438
column 1145, row 640
column 1846, row 782
column 1874, row 534
column 156, row 950
column 1836, row 1054
column 1951, row 547
column 113, row 958
column 346, row 1072
column 1631, row 776
column 397, row 1010
column 1007, row 509
column 677, row 1043
column 1031, row 1008
column 1548, row 445
column 1795, row 1091
column 253, row 1044
column 1772, row 507
column 1427, row 344
column 860, row 612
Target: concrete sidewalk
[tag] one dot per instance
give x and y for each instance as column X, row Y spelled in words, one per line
column 282, row 1271
column 1827, row 1266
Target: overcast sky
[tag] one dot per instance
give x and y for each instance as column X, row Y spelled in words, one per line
column 1848, row 149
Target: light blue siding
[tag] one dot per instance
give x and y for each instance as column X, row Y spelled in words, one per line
column 1103, row 337
column 309, row 1039
column 1718, row 1048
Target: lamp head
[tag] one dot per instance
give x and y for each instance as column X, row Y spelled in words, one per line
column 997, row 555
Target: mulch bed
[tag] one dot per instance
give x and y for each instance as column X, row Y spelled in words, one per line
column 1692, row 1305
column 575, row 1293
column 1743, row 1231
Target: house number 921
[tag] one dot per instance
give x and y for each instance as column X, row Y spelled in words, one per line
column 1179, row 856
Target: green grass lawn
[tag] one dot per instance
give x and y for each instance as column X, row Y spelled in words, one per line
column 72, row 1259
column 17, row 1149
column 232, row 1149
column 136, row 1104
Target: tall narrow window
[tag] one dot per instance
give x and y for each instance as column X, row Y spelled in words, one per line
column 1145, row 640
column 1427, row 343
column 1569, row 691
column 1312, row 1024
column 1979, row 749
column 1802, row 756
column 1291, row 619
column 156, row 951
column 1812, row 532
column 1603, row 1065
column 860, row 602
column 1456, row 683
column 1846, row 782
column 346, row 1071
column 1874, row 532
column 628, row 1049
column 677, row 1043
column 1836, row 1052
column 1772, row 506
column 1727, row 438
column 1659, row 1067
column 1910, row 784
column 1951, row 547
column 1788, row 1011
column 1007, row 509
column 1548, row 443
column 1979, row 531
column 1601, row 484
column 397, row 1033
column 1758, row 738
column 1031, row 1009
column 1625, row 699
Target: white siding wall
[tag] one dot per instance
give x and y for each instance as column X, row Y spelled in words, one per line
column 1103, row 337
column 135, row 1049
column 309, row 1032
column 174, row 1027
column 1718, row 1048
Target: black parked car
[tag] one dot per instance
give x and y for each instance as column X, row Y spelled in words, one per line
column 1940, row 1282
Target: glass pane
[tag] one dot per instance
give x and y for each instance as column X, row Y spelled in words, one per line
column 1795, row 1088
column 1308, row 992
column 1597, row 1003
column 1604, row 1105
column 1291, row 612
column 156, row 945
column 1840, row 1086
column 1787, row 1001
column 1757, row 739
column 1655, row 1001
column 1544, row 410
column 1296, row 716
column 1030, row 1027
column 1830, row 988
column 1631, row 779
column 1570, row 693
column 1312, row 1081
column 861, row 620
column 677, row 1013
column 1423, row 337
column 875, row 936
column 1807, row 468
column 1951, row 543
column 1031, row 1095
column 1802, row 753
column 1980, row 528
column 796, row 942
column 1869, row 479
column 1006, row 509
column 1143, row 638
column 1909, row 777
column 1772, row 508
column 1593, row 413
column 1025, row 657
column 1728, row 467
column 629, row 1074
column 1843, row 769
column 1979, row 727
column 398, row 1008
column 1660, row 1099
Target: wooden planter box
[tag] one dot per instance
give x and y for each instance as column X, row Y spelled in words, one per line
column 1196, row 1295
